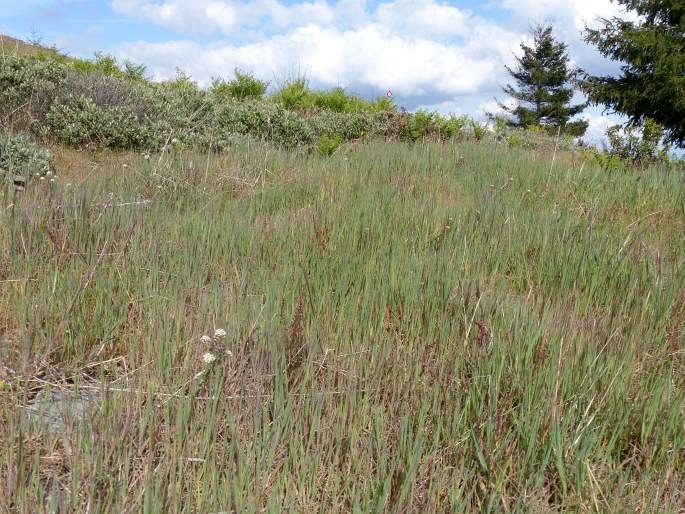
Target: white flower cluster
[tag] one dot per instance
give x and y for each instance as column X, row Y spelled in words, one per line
column 209, row 357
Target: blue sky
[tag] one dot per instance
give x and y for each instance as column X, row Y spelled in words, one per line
column 442, row 55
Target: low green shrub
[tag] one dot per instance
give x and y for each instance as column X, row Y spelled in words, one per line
column 329, row 144
column 243, row 86
column 355, row 125
column 79, row 122
column 294, row 94
column 337, row 100
column 478, row 130
column 641, row 145
column 28, row 87
column 452, row 126
column 420, row 125
column 430, row 125
column 19, row 155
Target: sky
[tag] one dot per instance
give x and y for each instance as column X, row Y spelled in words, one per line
column 448, row 56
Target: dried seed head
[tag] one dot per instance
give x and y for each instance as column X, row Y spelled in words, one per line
column 219, row 333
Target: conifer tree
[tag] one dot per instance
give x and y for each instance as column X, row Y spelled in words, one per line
column 543, row 89
column 652, row 80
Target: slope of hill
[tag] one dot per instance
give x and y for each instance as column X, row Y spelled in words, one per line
column 401, row 323
column 396, row 327
column 10, row 45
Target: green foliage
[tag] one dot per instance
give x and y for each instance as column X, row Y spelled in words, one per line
column 18, row 154
column 634, row 146
column 28, row 87
column 651, row 49
column 329, row 144
column 542, row 92
column 101, row 104
column 537, row 139
column 133, row 71
column 479, row 130
column 267, row 121
column 452, row 126
column 383, row 104
column 356, row 125
column 430, row 125
column 79, row 122
column 243, row 86
column 336, row 100
column 108, row 66
column 272, row 122
column 420, row 125
column 293, row 94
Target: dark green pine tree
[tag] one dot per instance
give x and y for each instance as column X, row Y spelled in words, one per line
column 652, row 79
column 543, row 88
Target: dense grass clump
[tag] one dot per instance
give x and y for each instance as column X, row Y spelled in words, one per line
column 395, row 327
column 244, row 86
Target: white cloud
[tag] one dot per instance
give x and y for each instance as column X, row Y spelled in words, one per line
column 598, row 123
column 428, row 52
column 571, row 16
column 391, row 49
column 229, row 17
column 424, row 17
column 493, row 107
column 569, row 19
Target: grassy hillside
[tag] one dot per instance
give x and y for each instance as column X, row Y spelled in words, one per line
column 105, row 104
column 458, row 327
column 10, row 45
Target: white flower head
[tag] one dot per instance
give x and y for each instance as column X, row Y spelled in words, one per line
column 219, row 333
column 208, row 358
column 174, row 141
column 49, row 173
column 205, row 339
column 42, row 178
column 147, row 157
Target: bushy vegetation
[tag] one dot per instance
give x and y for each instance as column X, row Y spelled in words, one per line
column 100, row 104
column 417, row 327
column 244, row 86
column 20, row 156
column 630, row 147
column 295, row 94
